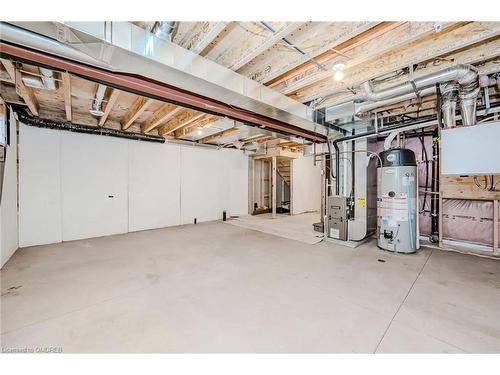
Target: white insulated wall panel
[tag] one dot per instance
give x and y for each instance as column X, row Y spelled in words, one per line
column 94, row 183
column 306, row 180
column 39, row 186
column 471, row 150
column 203, row 185
column 213, row 181
column 154, row 185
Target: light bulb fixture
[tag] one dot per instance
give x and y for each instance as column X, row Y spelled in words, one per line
column 199, row 132
column 339, row 65
column 338, row 68
column 338, row 75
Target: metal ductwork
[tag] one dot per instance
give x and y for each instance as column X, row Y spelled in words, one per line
column 163, row 29
column 173, row 74
column 45, row 80
column 449, row 93
column 47, row 76
column 464, row 75
column 460, row 78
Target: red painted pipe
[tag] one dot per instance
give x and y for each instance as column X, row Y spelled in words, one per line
column 157, row 90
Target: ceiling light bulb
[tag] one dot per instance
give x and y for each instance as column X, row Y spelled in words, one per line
column 338, row 66
column 199, row 132
column 338, row 75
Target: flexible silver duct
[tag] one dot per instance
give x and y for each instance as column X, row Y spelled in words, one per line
column 464, row 75
column 370, row 106
column 163, row 29
column 48, row 80
column 449, row 92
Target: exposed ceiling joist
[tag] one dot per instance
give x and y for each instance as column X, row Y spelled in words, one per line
column 10, row 68
column 215, row 28
column 135, row 111
column 199, row 123
column 109, row 106
column 26, row 93
column 439, row 44
column 308, row 71
column 165, row 113
column 219, row 135
column 185, row 118
column 269, row 42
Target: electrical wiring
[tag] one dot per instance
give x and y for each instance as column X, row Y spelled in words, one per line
column 479, row 186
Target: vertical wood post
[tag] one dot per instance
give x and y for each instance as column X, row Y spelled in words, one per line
column 274, row 186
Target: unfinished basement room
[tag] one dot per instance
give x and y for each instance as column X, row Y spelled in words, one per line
column 250, row 186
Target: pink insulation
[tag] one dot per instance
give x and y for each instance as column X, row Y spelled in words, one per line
column 466, row 220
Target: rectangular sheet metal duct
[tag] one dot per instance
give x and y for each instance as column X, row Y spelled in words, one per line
column 95, row 59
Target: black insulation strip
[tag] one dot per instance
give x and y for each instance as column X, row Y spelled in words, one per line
column 27, row 119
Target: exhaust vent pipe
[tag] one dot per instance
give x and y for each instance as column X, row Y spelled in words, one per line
column 463, row 76
column 449, row 92
column 96, row 109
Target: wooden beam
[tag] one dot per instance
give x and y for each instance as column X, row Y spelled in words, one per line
column 440, row 44
column 219, row 135
column 66, row 86
column 26, row 93
column 135, row 111
column 165, row 113
column 249, row 55
column 10, row 68
column 109, row 106
column 203, row 40
column 201, row 122
column 184, row 119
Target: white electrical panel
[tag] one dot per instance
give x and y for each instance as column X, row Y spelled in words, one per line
column 471, row 150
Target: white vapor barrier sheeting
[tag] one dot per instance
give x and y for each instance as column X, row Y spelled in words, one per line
column 76, row 186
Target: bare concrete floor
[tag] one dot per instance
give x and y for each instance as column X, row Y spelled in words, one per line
column 220, row 288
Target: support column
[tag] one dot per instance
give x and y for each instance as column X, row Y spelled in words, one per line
column 495, row 227
column 273, row 182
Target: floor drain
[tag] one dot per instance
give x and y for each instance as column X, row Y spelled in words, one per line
column 381, row 260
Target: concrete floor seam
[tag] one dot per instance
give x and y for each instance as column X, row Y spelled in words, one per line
column 403, row 301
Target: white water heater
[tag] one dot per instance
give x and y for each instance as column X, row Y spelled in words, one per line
column 397, row 197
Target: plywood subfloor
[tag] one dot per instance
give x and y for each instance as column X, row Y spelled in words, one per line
column 296, row 227
column 214, row 287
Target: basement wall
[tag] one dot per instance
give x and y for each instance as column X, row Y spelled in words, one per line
column 74, row 186
column 306, row 185
column 8, row 202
